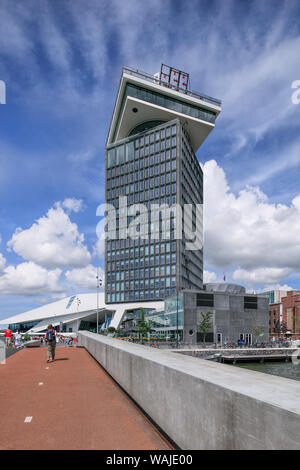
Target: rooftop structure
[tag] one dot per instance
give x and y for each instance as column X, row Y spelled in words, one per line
column 224, row 287
column 143, row 99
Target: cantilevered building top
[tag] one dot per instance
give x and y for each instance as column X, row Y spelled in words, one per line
column 144, row 101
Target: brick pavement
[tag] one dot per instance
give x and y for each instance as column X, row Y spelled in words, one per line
column 73, row 403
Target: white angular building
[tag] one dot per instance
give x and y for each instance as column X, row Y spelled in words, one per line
column 76, row 312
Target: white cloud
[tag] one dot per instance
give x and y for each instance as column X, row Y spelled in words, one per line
column 50, row 297
column 29, row 279
column 99, row 248
column 71, row 204
column 260, row 276
column 209, row 276
column 85, row 277
column 239, row 65
column 2, row 263
column 275, row 287
column 248, row 233
column 53, row 241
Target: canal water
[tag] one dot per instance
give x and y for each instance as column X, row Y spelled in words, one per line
column 283, row 369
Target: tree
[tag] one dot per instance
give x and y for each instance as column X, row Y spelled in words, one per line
column 206, row 324
column 257, row 331
column 111, row 330
column 144, row 326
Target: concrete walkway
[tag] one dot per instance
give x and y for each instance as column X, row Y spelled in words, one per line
column 68, row 404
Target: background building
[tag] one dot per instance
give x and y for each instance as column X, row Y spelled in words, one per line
column 157, row 126
column 275, row 296
column 236, row 315
column 276, row 326
column 291, row 313
column 78, row 312
column 284, row 313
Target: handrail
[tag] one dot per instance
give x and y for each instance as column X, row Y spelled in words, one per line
column 153, row 79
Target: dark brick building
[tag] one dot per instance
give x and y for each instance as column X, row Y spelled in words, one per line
column 289, row 312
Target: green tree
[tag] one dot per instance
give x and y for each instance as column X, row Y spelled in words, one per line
column 257, row 331
column 206, row 324
column 144, row 326
column 111, row 329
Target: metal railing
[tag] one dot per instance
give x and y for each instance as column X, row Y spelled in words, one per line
column 157, row 81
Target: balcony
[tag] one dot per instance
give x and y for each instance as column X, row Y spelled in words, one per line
column 157, row 81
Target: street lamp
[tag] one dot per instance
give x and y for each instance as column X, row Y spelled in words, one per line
column 98, row 285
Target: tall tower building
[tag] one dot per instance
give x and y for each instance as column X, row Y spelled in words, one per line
column 157, row 126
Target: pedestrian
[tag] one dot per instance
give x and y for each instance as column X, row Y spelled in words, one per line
column 18, row 337
column 50, row 338
column 8, row 334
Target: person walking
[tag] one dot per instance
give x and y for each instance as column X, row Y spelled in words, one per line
column 8, row 334
column 18, row 337
column 50, row 339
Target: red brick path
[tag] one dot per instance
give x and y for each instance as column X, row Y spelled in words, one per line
column 77, row 407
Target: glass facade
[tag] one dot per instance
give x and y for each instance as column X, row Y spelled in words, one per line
column 172, row 304
column 170, row 103
column 23, row 327
column 163, row 323
column 142, row 168
column 191, row 194
column 271, row 295
column 150, row 169
column 156, row 167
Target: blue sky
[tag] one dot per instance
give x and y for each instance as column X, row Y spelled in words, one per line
column 61, row 62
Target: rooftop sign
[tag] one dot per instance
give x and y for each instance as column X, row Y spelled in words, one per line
column 174, row 77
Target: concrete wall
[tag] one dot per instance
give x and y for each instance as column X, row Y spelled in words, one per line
column 201, row 404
